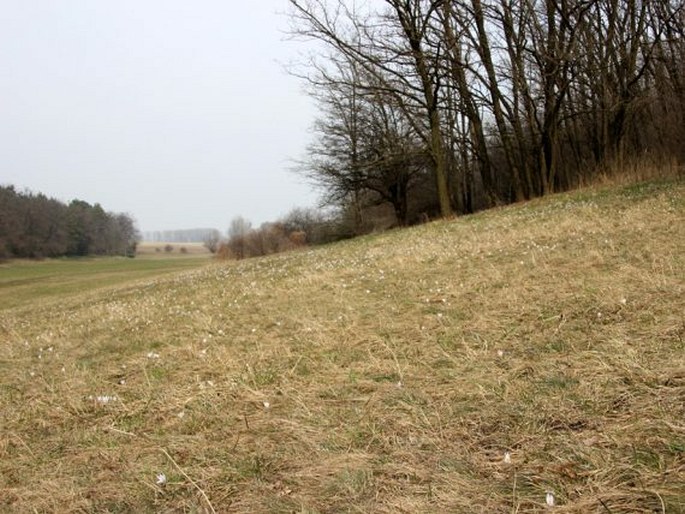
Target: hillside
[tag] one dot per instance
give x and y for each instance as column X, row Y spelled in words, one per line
column 472, row 365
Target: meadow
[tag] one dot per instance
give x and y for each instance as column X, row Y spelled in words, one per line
column 25, row 283
column 525, row 359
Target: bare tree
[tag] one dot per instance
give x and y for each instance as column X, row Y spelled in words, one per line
column 366, row 151
column 212, row 240
column 391, row 47
column 238, row 232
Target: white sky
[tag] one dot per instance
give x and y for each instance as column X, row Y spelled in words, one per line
column 177, row 112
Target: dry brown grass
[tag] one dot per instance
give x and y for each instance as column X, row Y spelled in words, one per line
column 649, row 167
column 386, row 374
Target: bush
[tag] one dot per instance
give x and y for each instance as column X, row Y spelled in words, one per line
column 224, row 252
column 298, row 238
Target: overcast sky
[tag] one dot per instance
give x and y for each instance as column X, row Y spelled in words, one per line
column 177, row 112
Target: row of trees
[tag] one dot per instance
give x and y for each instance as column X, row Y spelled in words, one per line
column 192, row 235
column 35, row 226
column 439, row 106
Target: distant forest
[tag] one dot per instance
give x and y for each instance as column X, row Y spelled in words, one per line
column 35, row 226
column 430, row 108
column 193, row 235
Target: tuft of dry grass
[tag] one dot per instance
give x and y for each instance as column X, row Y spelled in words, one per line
column 473, row 365
column 647, row 168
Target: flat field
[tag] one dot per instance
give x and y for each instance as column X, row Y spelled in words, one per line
column 29, row 283
column 491, row 363
column 149, row 249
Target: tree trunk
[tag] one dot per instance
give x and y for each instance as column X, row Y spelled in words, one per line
column 496, row 99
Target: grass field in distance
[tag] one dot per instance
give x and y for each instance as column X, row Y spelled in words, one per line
column 158, row 249
column 491, row 363
column 28, row 283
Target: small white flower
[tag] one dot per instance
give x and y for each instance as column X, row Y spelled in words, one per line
column 161, row 479
column 500, row 353
column 549, row 499
column 599, row 315
column 507, row 457
column 103, row 399
column 266, row 404
column 624, row 301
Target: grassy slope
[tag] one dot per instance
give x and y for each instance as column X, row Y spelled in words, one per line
column 386, row 374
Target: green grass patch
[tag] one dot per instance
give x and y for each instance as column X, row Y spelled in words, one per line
column 23, row 282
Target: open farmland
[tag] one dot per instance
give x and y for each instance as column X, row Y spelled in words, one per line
column 148, row 249
column 487, row 364
column 29, row 283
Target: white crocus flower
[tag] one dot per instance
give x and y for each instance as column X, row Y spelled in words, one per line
column 549, row 499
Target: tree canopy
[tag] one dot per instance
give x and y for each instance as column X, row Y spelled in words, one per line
column 438, row 106
column 35, row 226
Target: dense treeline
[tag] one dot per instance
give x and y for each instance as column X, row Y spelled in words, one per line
column 35, row 226
column 436, row 106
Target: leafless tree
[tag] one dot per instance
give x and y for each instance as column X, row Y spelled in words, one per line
column 388, row 44
column 238, row 232
column 507, row 99
column 212, row 240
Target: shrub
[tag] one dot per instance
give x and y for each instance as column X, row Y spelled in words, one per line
column 224, row 252
column 298, row 238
